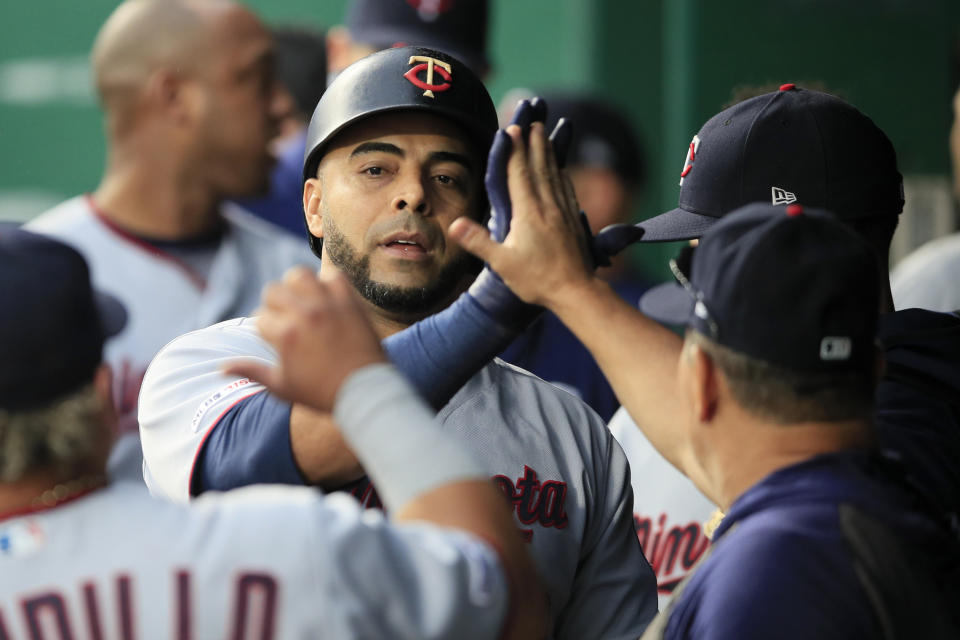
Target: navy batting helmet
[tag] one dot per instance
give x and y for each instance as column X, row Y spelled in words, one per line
column 400, row 79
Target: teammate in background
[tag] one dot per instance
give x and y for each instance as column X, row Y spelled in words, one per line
column 605, row 163
column 397, row 151
column 301, row 60
column 188, row 91
column 927, row 278
column 456, row 27
column 766, row 403
column 78, row 555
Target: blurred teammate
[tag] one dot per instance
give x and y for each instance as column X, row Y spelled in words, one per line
column 301, row 61
column 188, row 91
column 80, row 556
column 456, row 27
column 928, row 278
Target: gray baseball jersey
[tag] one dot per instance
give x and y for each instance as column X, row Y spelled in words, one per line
column 164, row 296
column 265, row 562
column 564, row 474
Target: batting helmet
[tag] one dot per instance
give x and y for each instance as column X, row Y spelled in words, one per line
column 400, row 79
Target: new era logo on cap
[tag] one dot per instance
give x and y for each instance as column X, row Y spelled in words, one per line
column 781, row 196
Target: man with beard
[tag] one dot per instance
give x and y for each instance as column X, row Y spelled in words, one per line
column 396, row 153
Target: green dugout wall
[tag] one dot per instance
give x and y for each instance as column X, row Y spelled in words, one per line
column 670, row 63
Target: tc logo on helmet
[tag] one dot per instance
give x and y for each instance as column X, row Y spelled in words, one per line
column 430, row 65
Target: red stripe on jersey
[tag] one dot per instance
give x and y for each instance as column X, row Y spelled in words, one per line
column 203, row 441
column 141, row 244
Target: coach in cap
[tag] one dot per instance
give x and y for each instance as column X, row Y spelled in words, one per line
column 796, row 145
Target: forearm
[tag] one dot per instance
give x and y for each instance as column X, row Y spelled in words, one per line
column 321, row 454
column 638, row 357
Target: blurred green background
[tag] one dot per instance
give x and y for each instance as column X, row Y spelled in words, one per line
column 670, row 64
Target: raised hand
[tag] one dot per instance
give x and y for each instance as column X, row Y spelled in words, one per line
column 546, row 246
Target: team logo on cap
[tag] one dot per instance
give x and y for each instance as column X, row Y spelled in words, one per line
column 781, row 196
column 690, row 157
column 430, row 10
column 431, row 66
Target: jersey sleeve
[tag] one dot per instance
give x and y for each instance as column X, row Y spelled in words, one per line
column 249, row 444
column 408, row 580
column 184, row 395
column 615, row 590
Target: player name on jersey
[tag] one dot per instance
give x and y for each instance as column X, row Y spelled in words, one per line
column 92, row 608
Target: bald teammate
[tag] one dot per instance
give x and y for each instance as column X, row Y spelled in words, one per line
column 188, row 92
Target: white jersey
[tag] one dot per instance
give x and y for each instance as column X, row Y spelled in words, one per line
column 163, row 296
column 669, row 512
column 552, row 456
column 928, row 277
column 262, row 562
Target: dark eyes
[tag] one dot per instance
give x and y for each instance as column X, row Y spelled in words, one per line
column 374, row 171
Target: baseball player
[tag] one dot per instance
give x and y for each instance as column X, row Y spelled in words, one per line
column 156, row 231
column 83, row 558
column 397, row 150
column 770, row 403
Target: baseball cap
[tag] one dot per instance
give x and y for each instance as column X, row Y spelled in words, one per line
column 456, row 27
column 52, row 322
column 790, row 145
column 792, row 286
column 602, row 135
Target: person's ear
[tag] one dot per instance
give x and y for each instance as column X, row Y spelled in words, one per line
column 173, row 95
column 703, row 384
column 311, row 206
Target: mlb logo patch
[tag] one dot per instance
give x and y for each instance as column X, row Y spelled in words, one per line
column 21, row 539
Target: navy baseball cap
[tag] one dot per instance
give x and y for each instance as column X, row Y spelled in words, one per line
column 791, row 286
column 53, row 324
column 791, row 145
column 456, row 27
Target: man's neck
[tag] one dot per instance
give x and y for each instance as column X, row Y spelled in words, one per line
column 43, row 489
column 762, row 448
column 384, row 325
column 156, row 202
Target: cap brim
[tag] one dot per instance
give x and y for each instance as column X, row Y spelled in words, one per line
column 677, row 224
column 113, row 315
column 667, row 303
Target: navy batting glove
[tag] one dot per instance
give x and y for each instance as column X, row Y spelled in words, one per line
column 611, row 240
column 488, row 289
